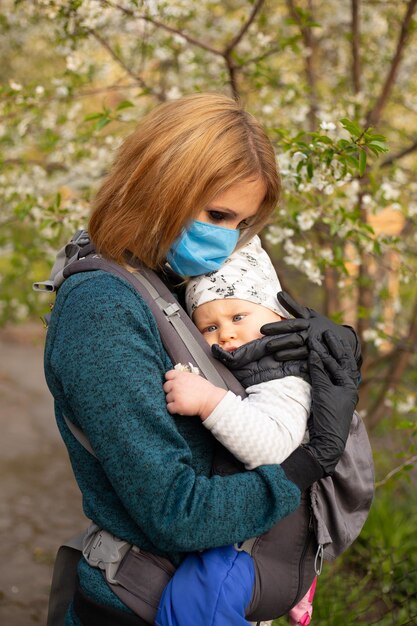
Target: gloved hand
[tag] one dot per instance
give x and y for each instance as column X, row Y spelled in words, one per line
column 334, row 374
column 308, row 324
column 253, row 364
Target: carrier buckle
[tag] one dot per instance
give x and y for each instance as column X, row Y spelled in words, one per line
column 171, row 309
column 105, row 551
column 319, row 558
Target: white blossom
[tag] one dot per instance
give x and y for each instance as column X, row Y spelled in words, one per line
column 327, row 125
column 297, row 157
column 174, row 93
column 407, row 405
column 389, row 191
column 74, row 62
column 276, row 235
column 311, row 271
column 306, row 219
column 371, row 335
column 327, row 254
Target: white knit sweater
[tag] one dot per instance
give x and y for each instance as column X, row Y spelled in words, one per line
column 268, row 425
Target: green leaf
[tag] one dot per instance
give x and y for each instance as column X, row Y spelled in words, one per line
column 93, row 116
column 126, row 104
column 362, row 162
column 353, row 161
column 405, row 424
column 343, row 144
column 324, row 139
column 377, row 146
column 351, row 127
column 102, row 122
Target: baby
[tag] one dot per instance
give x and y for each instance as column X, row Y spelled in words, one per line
column 229, row 307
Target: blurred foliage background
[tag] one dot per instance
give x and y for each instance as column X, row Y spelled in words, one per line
column 334, row 85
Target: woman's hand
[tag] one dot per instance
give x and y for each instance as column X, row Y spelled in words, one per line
column 334, row 376
column 294, row 335
column 190, row 394
column 253, row 363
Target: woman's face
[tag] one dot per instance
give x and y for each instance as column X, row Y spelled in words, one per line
column 234, row 208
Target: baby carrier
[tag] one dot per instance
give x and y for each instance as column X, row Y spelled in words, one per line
column 287, row 557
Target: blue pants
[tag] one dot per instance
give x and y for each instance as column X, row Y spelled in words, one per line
column 211, row 588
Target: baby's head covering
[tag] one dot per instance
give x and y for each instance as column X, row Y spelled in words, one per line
column 247, row 274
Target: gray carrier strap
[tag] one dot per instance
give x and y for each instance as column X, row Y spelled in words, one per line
column 79, row 435
column 171, row 310
column 66, row 255
column 184, row 345
column 64, row 580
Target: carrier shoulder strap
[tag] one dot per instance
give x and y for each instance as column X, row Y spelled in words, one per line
column 179, row 335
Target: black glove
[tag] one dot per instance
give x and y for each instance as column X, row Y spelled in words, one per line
column 308, row 324
column 252, row 363
column 334, row 374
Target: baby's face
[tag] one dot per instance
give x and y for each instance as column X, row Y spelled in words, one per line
column 231, row 323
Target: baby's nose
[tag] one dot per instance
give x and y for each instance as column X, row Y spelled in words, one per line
column 227, row 332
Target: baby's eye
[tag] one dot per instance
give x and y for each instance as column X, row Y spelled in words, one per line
column 210, row 329
column 239, row 317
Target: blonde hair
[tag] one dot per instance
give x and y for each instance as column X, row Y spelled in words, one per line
column 181, row 155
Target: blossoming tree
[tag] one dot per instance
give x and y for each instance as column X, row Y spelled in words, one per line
column 328, row 80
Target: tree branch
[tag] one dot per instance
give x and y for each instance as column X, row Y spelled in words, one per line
column 94, row 92
column 390, row 160
column 394, row 471
column 124, row 66
column 261, row 57
column 395, row 372
column 237, row 39
column 356, row 64
column 228, row 51
column 310, row 45
column 50, row 167
column 374, row 115
column 174, row 31
column 226, row 54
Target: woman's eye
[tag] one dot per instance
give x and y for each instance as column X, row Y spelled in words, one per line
column 216, row 216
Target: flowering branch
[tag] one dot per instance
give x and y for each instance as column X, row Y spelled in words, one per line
column 390, row 160
column 226, row 53
column 237, row 39
column 310, row 46
column 174, row 31
column 396, row 370
column 374, row 115
column 124, row 66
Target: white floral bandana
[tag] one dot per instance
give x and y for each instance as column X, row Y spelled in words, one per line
column 248, row 274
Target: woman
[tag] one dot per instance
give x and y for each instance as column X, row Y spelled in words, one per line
column 197, row 177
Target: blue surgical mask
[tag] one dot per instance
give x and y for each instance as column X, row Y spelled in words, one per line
column 201, row 248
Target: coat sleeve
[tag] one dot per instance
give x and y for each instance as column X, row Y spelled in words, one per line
column 107, row 365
